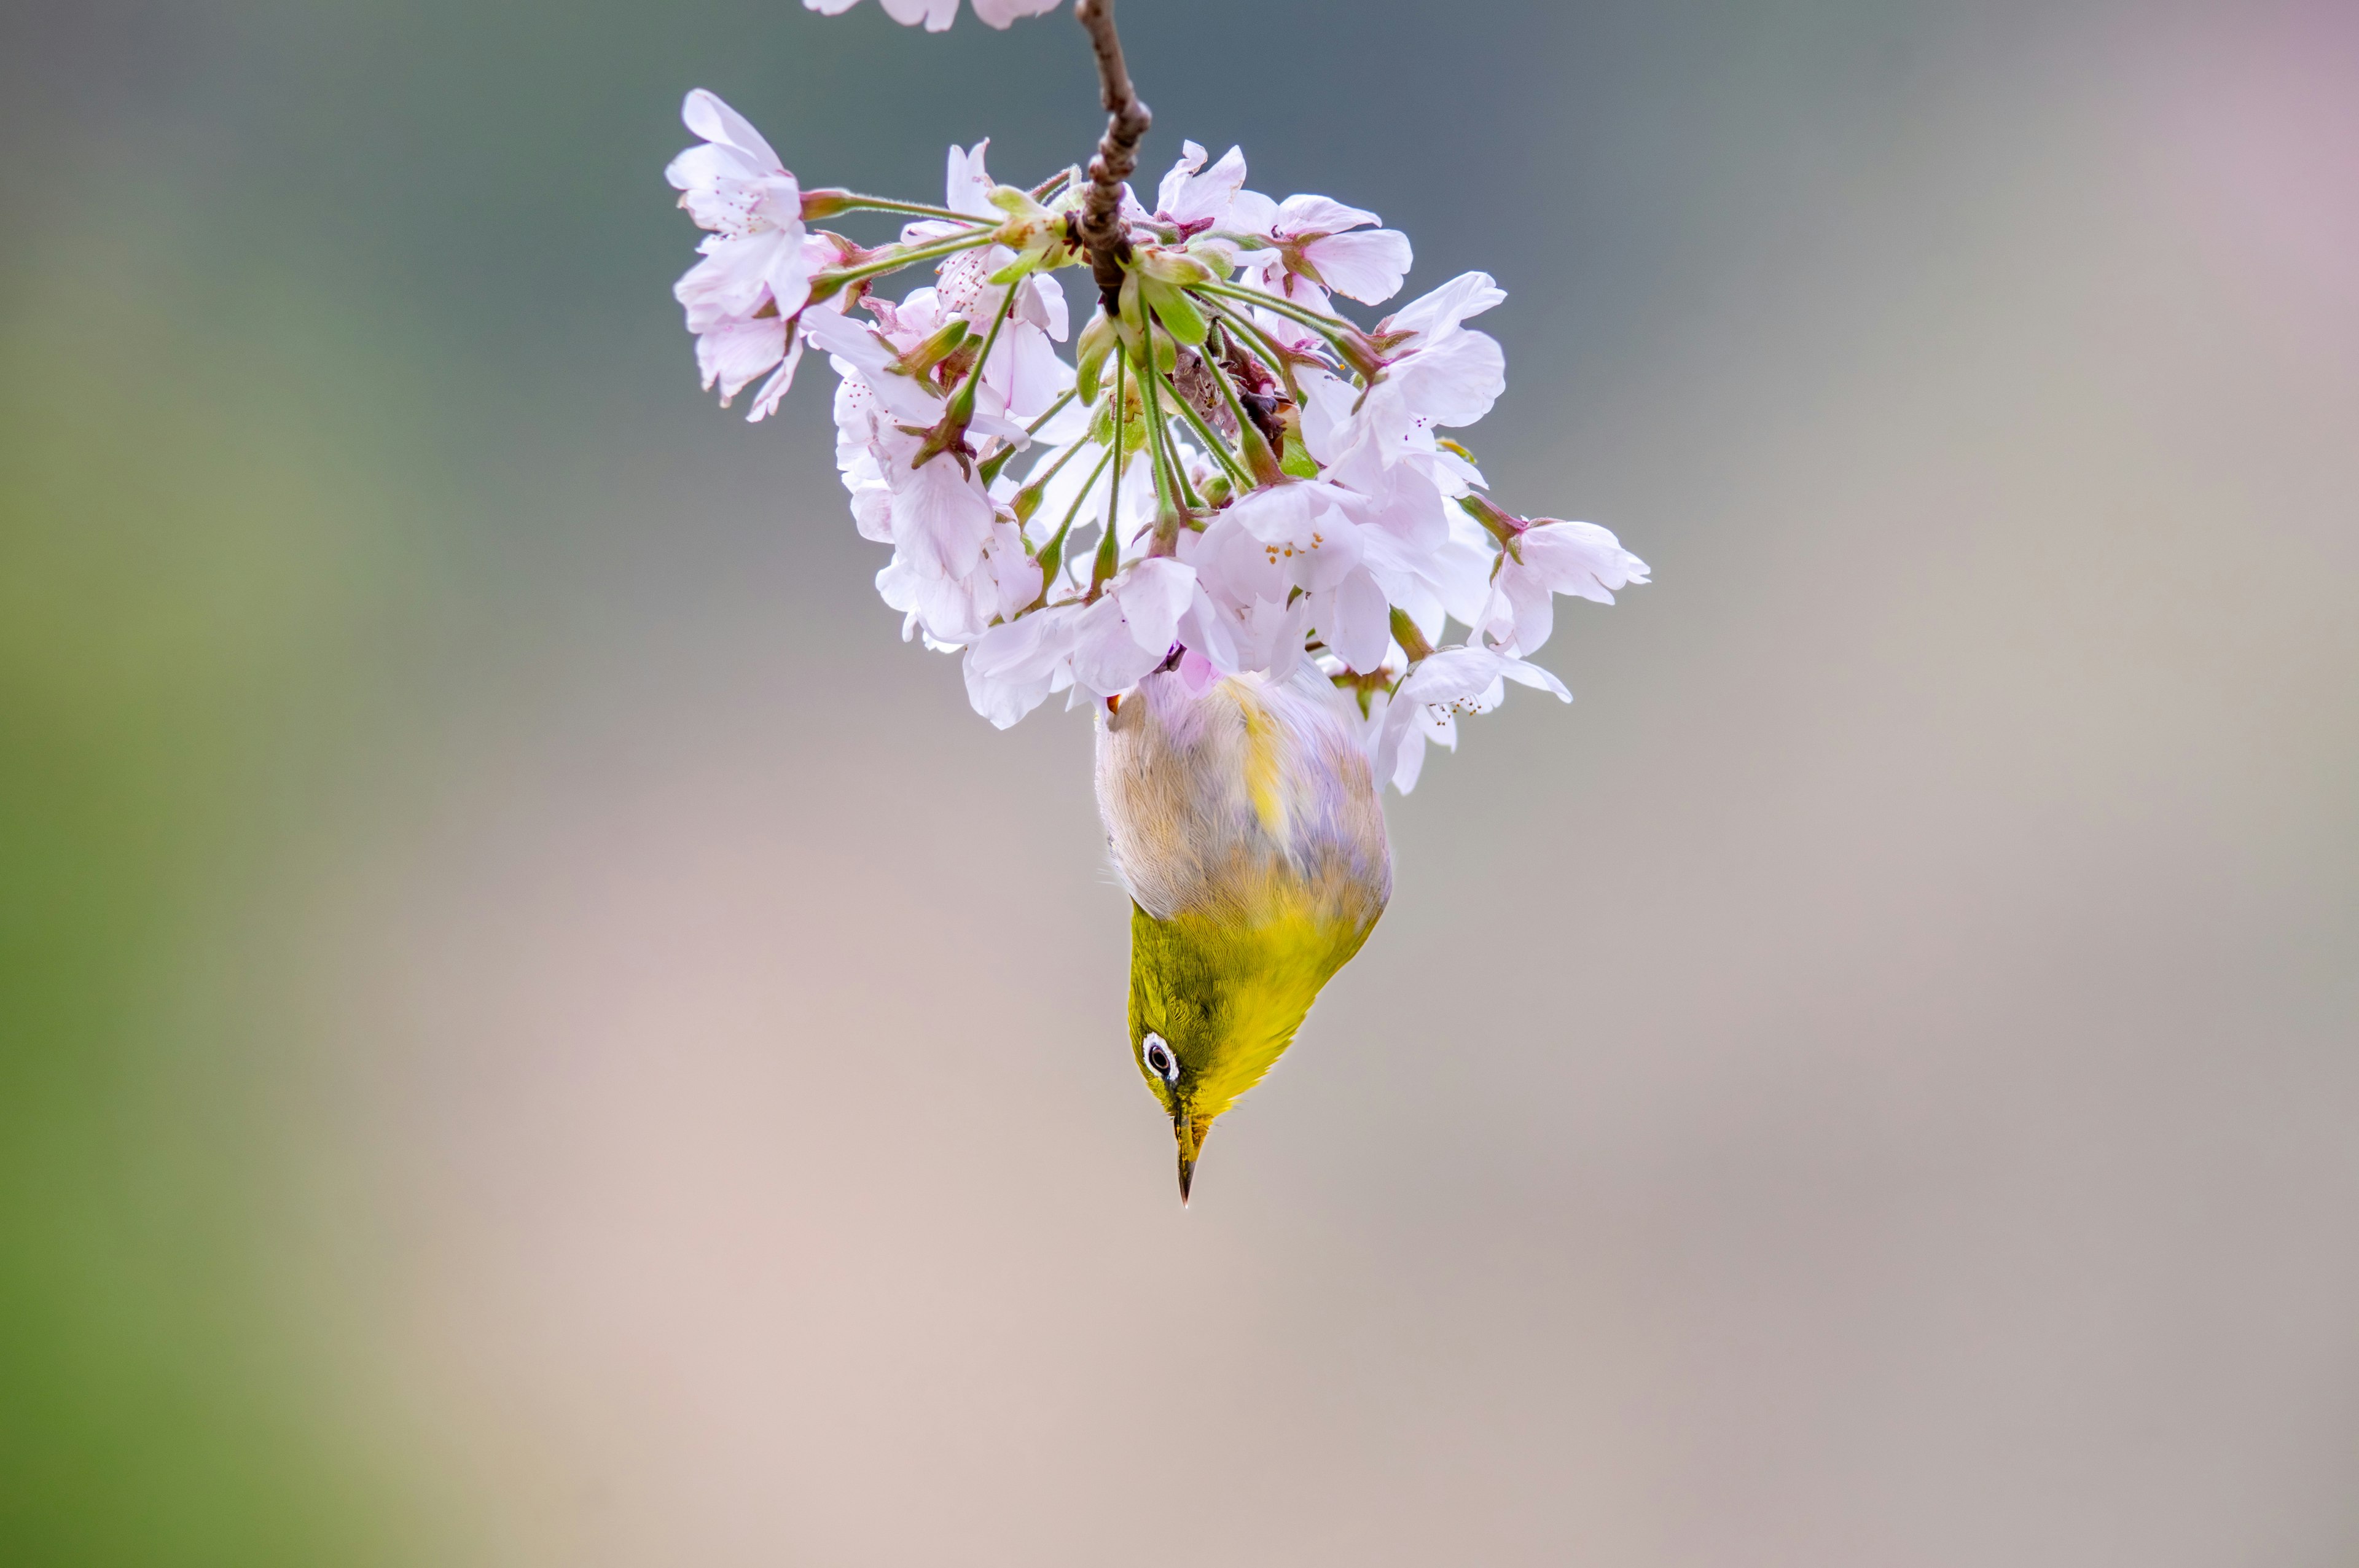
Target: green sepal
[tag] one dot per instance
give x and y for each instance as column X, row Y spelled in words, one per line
column 1109, row 555
column 935, row 349
column 1297, row 460
column 1134, row 420
column 1137, row 329
column 1175, row 310
column 1051, row 557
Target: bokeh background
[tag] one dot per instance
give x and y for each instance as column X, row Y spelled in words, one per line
column 533, row 1030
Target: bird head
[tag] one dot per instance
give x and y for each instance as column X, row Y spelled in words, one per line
column 1214, row 1004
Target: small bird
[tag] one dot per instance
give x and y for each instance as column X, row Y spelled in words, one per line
column 1244, row 820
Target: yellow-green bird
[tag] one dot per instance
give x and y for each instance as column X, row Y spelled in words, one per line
column 1243, row 819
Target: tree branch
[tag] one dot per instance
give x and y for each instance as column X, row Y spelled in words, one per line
column 1126, row 122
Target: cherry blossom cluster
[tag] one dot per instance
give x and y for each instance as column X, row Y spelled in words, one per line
column 1225, row 475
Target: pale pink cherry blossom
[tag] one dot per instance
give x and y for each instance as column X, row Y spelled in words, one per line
column 1103, row 648
column 1025, row 374
column 967, row 184
column 1215, row 197
column 1547, row 557
column 1426, row 706
column 938, row 15
column 857, row 349
column 1299, row 536
column 1272, row 541
column 1322, row 244
column 1354, row 618
column 1268, row 636
column 1382, row 535
column 938, row 515
column 1207, row 631
column 820, row 251
column 872, row 498
column 1436, row 370
column 874, row 354
column 1119, row 640
column 741, row 300
column 1431, row 586
column 731, row 350
column 1015, row 666
column 955, row 611
column 735, row 186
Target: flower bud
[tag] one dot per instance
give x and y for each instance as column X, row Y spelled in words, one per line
column 1097, row 342
column 826, row 203
column 1175, row 268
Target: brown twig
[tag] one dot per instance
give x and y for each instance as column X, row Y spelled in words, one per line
column 1126, row 122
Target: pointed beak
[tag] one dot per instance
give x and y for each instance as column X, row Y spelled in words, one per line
column 1190, row 1133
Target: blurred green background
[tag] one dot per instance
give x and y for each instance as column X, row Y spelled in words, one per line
column 533, row 1029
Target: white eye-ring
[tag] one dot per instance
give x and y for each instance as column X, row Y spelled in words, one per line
column 1159, row 1059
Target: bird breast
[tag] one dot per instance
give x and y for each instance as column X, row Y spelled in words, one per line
column 1247, row 804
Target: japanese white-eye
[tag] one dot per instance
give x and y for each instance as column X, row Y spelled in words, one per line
column 1244, row 818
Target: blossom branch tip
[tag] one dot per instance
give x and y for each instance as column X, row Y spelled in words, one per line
column 1101, row 228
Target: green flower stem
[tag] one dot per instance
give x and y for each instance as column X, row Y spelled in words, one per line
column 1250, row 439
column 988, row 472
column 853, row 202
column 826, row 284
column 991, row 470
column 1052, row 554
column 1189, row 499
column 962, row 408
column 1258, row 345
column 1166, row 494
column 1110, row 547
column 1328, row 327
column 1212, row 442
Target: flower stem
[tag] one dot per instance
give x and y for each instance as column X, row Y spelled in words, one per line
column 991, row 470
column 827, row 284
column 1327, row 326
column 1052, row 554
column 1258, row 457
column 828, row 203
column 1257, row 344
column 962, row 406
column 1218, row 447
column 1186, row 487
column 1109, row 545
column 1166, row 494
column 987, row 472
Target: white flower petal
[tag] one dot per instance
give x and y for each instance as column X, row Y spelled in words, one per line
column 1368, row 266
column 705, row 115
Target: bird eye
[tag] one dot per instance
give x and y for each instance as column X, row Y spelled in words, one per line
column 1159, row 1058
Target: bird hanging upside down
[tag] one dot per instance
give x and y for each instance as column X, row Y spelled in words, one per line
column 1244, row 821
